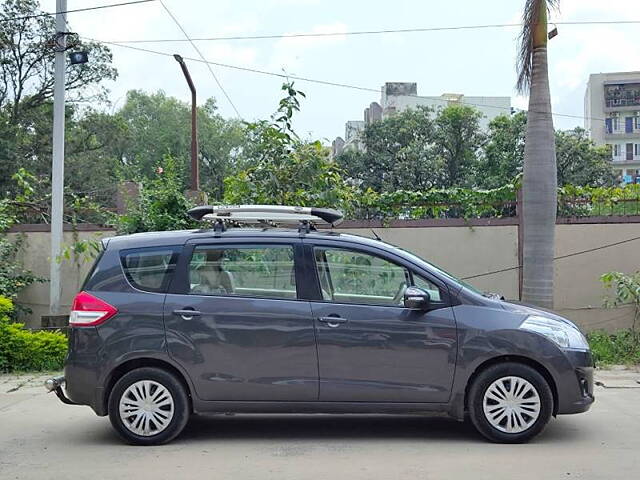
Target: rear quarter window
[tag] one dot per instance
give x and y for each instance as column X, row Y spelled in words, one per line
column 150, row 269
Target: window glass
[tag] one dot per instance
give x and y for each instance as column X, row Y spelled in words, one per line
column 149, row 269
column 355, row 277
column 434, row 291
column 261, row 271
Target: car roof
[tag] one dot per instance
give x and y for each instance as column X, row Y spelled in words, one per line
column 178, row 237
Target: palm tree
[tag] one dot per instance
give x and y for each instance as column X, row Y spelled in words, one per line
column 539, row 181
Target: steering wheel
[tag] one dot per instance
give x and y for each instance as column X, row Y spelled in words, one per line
column 397, row 299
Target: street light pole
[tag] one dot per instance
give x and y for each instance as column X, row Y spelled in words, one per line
column 195, row 168
column 57, row 165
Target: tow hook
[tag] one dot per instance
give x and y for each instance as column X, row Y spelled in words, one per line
column 55, row 384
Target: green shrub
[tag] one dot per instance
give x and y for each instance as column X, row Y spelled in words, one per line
column 24, row 350
column 618, row 348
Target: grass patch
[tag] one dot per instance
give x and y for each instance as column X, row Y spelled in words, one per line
column 618, row 348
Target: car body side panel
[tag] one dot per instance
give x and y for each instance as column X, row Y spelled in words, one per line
column 385, row 354
column 245, row 348
column 488, row 333
column 135, row 332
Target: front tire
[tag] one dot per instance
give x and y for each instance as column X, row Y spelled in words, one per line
column 510, row 403
column 148, row 406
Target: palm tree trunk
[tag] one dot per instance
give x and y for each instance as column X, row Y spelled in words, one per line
column 539, row 188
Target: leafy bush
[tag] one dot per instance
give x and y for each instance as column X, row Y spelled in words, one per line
column 618, row 348
column 13, row 277
column 286, row 170
column 24, row 350
column 592, row 201
column 626, row 290
column 162, row 205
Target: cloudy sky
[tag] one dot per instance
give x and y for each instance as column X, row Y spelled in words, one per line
column 473, row 62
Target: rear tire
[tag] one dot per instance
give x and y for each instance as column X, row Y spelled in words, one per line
column 148, row 406
column 510, row 403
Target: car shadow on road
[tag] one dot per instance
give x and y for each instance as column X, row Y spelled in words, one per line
column 240, row 428
column 342, row 427
column 327, row 427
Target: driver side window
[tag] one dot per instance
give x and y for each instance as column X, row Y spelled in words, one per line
column 348, row 276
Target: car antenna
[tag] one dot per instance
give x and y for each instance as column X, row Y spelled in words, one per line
column 376, row 235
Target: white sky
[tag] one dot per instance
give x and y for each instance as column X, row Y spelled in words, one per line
column 477, row 62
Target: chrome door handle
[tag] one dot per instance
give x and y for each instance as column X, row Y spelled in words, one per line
column 332, row 322
column 187, row 313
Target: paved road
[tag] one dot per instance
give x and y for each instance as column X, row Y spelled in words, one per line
column 42, row 438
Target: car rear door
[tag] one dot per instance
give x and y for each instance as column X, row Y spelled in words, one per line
column 370, row 347
column 235, row 321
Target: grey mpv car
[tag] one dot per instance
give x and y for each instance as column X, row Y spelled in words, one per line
column 299, row 320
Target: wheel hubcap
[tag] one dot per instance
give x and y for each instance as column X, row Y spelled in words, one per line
column 146, row 408
column 511, row 404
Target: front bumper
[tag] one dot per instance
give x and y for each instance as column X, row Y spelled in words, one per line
column 55, row 384
column 575, row 390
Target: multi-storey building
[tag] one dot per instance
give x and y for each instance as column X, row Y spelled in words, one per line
column 398, row 96
column 612, row 117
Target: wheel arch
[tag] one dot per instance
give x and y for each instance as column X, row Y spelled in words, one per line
column 541, row 369
column 135, row 363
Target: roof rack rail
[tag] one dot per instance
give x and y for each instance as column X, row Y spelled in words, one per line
column 306, row 217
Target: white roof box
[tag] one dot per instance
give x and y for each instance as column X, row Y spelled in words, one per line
column 257, row 214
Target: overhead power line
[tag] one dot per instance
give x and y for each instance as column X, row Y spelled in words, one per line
column 368, row 32
column 195, row 47
column 86, row 9
column 324, row 82
column 568, row 255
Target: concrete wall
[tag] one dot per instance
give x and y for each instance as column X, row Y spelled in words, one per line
column 35, row 256
column 467, row 251
column 578, row 290
column 461, row 250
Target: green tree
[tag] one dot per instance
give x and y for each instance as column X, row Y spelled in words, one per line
column 161, row 205
column 503, row 153
column 398, row 154
column 26, row 87
column 156, row 125
column 458, row 140
column 284, row 169
column 539, row 180
column 580, row 161
column 26, row 61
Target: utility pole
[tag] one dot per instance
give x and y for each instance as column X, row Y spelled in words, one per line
column 57, row 165
column 195, row 168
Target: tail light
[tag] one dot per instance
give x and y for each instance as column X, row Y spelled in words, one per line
column 88, row 310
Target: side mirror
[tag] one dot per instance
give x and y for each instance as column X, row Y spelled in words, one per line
column 416, row 298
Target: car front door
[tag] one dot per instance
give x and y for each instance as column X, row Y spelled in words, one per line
column 235, row 323
column 370, row 347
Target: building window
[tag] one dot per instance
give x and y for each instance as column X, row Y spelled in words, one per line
column 616, row 123
column 616, row 150
column 637, row 149
column 637, row 122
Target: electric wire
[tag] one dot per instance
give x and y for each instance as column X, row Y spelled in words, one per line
column 369, row 32
column 195, row 47
column 86, row 9
column 331, row 83
column 560, row 257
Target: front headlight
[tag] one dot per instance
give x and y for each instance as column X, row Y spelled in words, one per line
column 563, row 335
